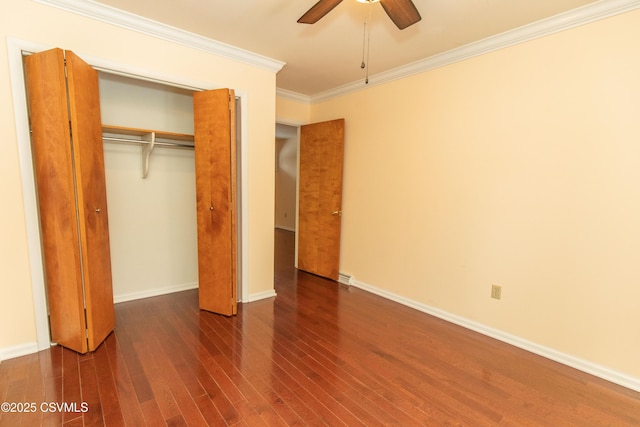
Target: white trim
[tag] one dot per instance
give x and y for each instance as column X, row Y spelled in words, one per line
column 293, row 96
column 549, row 353
column 19, row 350
column 129, row 21
column 131, row 296
column 261, row 295
column 16, row 75
column 244, row 196
column 583, row 15
column 344, row 279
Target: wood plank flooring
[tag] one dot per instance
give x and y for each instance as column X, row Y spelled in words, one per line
column 318, row 354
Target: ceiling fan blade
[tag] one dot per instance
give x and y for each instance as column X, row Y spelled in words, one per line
column 403, row 13
column 318, row 10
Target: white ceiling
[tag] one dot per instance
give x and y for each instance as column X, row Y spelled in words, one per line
column 328, row 54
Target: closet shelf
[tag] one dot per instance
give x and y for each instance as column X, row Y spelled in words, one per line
column 147, row 139
column 135, row 135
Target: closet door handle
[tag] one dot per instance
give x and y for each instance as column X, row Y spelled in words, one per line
column 97, row 210
column 211, row 208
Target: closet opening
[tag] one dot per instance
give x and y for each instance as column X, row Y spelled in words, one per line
column 152, row 198
column 152, row 219
column 152, row 226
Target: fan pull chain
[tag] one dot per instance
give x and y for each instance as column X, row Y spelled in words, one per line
column 366, row 43
column 364, row 37
column 366, row 81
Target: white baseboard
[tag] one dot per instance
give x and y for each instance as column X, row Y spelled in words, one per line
column 549, row 353
column 261, row 295
column 30, row 348
column 344, row 279
column 154, row 292
column 18, row 350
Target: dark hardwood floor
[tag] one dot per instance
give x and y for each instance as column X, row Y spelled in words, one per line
column 317, row 354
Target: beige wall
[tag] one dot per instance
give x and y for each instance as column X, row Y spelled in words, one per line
column 50, row 27
column 292, row 112
column 519, row 168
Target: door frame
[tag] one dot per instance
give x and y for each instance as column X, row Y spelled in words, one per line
column 15, row 48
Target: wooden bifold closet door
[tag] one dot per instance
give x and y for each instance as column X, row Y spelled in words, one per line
column 64, row 111
column 215, row 154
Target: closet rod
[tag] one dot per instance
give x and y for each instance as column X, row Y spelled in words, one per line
column 140, row 142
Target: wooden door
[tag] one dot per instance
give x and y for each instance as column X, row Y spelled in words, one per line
column 88, row 152
column 215, row 154
column 320, row 197
column 69, row 168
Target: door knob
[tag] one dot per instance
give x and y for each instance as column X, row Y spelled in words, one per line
column 336, row 213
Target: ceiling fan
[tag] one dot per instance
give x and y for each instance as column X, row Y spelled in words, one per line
column 403, row 13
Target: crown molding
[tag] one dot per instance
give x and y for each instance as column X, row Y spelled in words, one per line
column 564, row 21
column 294, row 96
column 111, row 15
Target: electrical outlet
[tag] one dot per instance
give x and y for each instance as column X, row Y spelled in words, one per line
column 496, row 291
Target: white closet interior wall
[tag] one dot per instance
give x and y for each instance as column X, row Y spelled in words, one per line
column 152, row 221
